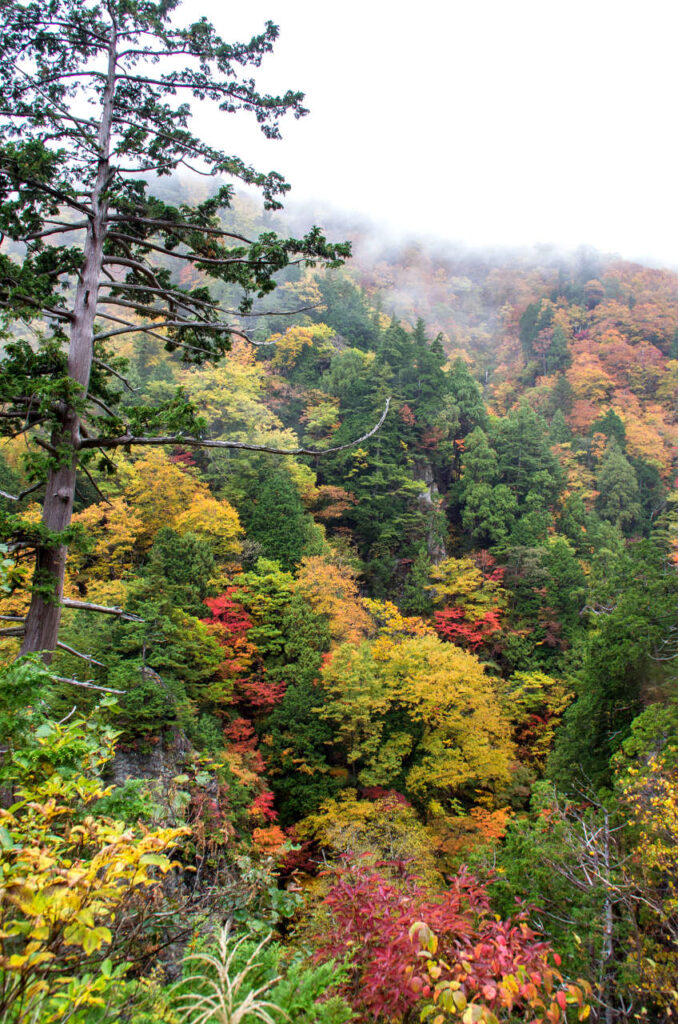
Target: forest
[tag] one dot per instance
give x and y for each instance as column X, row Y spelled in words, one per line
column 338, row 582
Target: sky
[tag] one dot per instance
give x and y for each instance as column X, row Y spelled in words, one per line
column 487, row 122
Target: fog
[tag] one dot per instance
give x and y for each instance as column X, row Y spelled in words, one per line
column 489, row 123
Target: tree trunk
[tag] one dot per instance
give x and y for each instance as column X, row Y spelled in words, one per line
column 607, row 952
column 44, row 616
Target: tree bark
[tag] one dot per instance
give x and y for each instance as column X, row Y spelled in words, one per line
column 44, row 616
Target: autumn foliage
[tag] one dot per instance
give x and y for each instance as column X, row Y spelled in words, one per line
column 388, row 925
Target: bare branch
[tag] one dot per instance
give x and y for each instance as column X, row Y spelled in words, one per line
column 102, row 405
column 94, row 484
column 169, row 295
column 128, row 261
column 184, row 322
column 281, row 312
column 603, row 609
column 189, row 301
column 22, row 494
column 109, row 369
column 192, row 257
column 86, row 684
column 77, row 654
column 127, row 329
column 63, row 197
column 69, row 715
column 63, row 313
column 196, row 442
column 46, row 445
column 87, row 606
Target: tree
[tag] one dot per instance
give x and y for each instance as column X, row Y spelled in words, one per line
column 526, row 462
column 568, row 863
column 419, row 715
column 278, row 521
column 92, row 104
column 332, row 591
column 625, row 659
column 71, row 874
column 617, row 483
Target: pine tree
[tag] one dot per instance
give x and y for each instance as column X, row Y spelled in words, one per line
column 479, row 461
column 93, row 103
column 526, row 462
column 466, row 394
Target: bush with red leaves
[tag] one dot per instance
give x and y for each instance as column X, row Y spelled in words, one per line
column 372, row 918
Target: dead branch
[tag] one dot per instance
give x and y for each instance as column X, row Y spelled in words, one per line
column 21, row 495
column 109, row 369
column 87, row 606
column 196, row 442
column 86, row 684
column 77, row 654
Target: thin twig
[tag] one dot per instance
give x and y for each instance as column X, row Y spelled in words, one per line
column 69, row 715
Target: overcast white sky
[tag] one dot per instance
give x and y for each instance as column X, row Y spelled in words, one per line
column 492, row 122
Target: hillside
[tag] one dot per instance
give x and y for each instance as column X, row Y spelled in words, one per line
column 397, row 650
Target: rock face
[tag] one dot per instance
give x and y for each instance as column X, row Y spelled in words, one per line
column 431, row 502
column 163, row 760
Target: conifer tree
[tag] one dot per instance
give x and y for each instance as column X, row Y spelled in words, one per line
column 558, row 356
column 559, row 432
column 94, row 103
column 278, row 521
column 617, row 484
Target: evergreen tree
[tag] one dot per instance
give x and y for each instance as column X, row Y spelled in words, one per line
column 296, row 739
column 416, row 599
column 651, row 490
column 526, row 462
column 346, row 311
column 559, row 432
column 278, row 521
column 479, row 461
column 618, row 498
column 467, row 397
column 88, row 111
column 182, row 566
column 622, row 663
column 612, row 426
column 558, row 357
column 489, row 513
column 566, row 587
column 561, row 396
